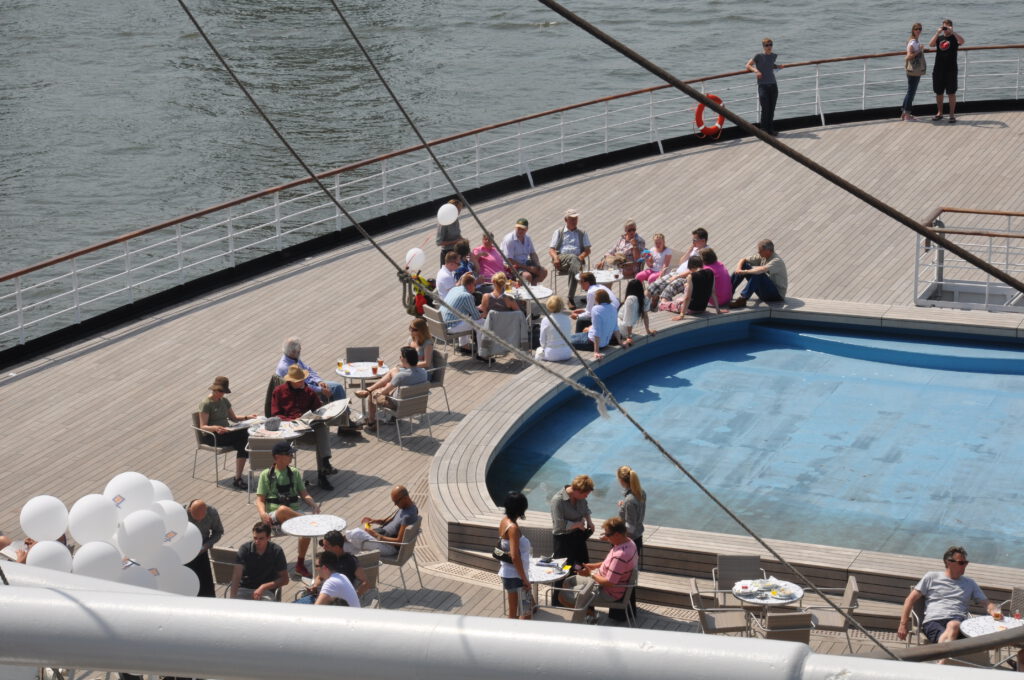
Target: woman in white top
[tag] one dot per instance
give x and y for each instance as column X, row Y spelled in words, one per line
column 631, row 311
column 914, row 48
column 658, row 260
column 515, row 575
column 551, row 346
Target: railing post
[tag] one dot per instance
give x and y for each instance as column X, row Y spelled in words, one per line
column 988, row 277
column 967, row 59
column 655, row 135
column 337, row 197
column 917, row 269
column 476, row 157
column 21, row 310
column 231, row 239
column 430, row 178
column 817, row 93
column 524, row 169
column 181, row 255
column 606, row 127
column 1016, row 90
column 384, row 183
column 561, row 137
column 277, row 219
column 74, row 289
column 864, row 88
column 128, row 272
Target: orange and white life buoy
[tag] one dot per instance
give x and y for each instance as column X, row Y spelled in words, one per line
column 698, row 118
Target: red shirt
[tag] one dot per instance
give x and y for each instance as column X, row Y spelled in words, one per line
column 290, row 403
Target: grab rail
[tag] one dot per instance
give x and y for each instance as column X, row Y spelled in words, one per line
column 76, row 286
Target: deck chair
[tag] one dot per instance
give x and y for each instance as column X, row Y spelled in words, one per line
column 370, row 563
column 624, row 603
column 359, row 354
column 730, row 569
column 1008, row 607
column 223, row 562
column 214, row 448
column 788, row 626
column 440, row 367
column 556, row 274
column 409, row 401
column 275, row 380
column 439, row 330
column 512, row 327
column 260, row 458
column 827, row 618
column 714, row 620
column 406, row 552
column 577, row 614
column 916, row 636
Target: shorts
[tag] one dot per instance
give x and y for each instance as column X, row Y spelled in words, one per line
column 511, row 582
column 933, row 629
column 945, row 81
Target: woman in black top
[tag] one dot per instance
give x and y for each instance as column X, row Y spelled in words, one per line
column 699, row 287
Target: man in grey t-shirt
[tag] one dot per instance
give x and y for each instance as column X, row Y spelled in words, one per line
column 947, row 595
column 764, row 66
column 408, row 374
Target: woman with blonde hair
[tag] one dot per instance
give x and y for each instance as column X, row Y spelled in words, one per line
column 571, row 523
column 551, row 346
column 420, row 338
column 496, row 300
column 656, row 261
column 633, row 505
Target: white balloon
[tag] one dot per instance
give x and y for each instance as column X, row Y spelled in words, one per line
column 174, row 516
column 188, row 544
column 163, row 561
column 92, row 518
column 44, row 518
column 134, row 575
column 180, row 580
column 49, row 555
column 161, row 492
column 99, row 560
column 447, row 214
column 414, row 259
column 129, row 491
column 141, row 535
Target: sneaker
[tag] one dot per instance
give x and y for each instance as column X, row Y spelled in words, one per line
column 738, row 303
column 240, row 483
column 324, row 483
column 300, row 569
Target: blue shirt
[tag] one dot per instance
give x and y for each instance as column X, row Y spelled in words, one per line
column 574, row 242
column 313, row 379
column 462, row 301
column 603, row 323
column 516, row 250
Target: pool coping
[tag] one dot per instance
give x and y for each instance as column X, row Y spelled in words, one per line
column 457, row 478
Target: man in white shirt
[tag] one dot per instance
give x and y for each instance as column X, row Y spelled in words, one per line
column 445, row 279
column 336, row 585
column 570, row 247
column 590, row 286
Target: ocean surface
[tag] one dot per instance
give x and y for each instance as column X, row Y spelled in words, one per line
column 114, row 115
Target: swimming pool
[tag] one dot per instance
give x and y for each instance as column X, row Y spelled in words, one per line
column 888, row 443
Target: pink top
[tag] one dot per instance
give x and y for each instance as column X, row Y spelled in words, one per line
column 490, row 262
column 723, row 283
column 618, row 566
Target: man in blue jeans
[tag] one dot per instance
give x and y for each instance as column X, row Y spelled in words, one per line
column 765, row 273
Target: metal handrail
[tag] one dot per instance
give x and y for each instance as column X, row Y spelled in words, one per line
column 132, row 267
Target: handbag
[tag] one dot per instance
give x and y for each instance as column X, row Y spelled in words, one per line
column 916, row 66
column 501, row 555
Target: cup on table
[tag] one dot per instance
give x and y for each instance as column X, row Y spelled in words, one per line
column 374, row 369
column 997, row 616
column 380, row 362
column 341, row 364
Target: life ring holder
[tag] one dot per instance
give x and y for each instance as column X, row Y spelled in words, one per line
column 715, row 130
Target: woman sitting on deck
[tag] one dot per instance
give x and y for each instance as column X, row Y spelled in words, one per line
column 551, row 345
column 496, row 300
column 632, row 310
column 215, row 414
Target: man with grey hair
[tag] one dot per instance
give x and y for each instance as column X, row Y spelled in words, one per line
column 330, row 391
column 570, row 247
column 765, row 273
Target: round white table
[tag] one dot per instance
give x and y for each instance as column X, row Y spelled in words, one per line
column 604, row 276
column 288, row 429
column 986, row 625
column 767, row 592
column 313, row 526
column 540, row 292
column 363, row 372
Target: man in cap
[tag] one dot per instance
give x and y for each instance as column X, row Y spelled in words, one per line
column 207, row 520
column 260, row 567
column 277, row 497
column 292, row 399
column 215, row 416
column 569, row 249
column 518, row 248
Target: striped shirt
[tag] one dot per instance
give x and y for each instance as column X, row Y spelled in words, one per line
column 462, row 301
column 618, row 566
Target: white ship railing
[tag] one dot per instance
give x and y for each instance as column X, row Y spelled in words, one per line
column 942, row 279
column 77, row 286
column 79, row 623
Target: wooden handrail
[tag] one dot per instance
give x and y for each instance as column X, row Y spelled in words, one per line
column 418, row 147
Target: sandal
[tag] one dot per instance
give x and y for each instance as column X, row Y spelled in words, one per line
column 937, row 116
column 362, row 394
column 952, row 119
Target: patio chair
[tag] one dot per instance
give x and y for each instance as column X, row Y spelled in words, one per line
column 439, row 330
column 512, row 327
column 730, row 569
column 714, row 620
column 214, row 448
column 556, row 274
column 353, row 354
column 624, row 603
column 406, row 552
column 223, row 562
column 977, row 659
column 410, row 400
column 788, row 626
column 370, row 562
column 577, row 614
column 275, row 380
column 260, row 459
column 440, row 367
column 827, row 618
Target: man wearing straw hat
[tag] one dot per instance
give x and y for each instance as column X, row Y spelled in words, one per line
column 290, row 401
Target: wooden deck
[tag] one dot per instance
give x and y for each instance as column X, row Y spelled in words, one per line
column 120, row 401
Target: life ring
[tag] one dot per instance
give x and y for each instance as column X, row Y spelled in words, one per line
column 698, row 118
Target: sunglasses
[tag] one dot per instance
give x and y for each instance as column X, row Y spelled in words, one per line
column 962, row 563
column 768, row 44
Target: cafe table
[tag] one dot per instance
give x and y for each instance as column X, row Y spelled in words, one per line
column 364, row 372
column 986, row 625
column 607, row 276
column 762, row 594
column 313, row 526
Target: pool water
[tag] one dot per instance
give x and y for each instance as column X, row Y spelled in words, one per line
column 809, row 436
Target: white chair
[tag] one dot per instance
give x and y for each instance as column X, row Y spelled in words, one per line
column 406, row 552
column 214, row 448
column 409, row 401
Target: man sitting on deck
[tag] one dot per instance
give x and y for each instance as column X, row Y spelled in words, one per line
column 277, row 497
column 291, row 401
column 766, row 274
column 260, row 567
column 460, row 298
column 519, row 249
column 947, row 594
column 570, row 247
column 611, row 575
column 392, row 528
column 380, row 392
column 336, row 587
column 329, row 391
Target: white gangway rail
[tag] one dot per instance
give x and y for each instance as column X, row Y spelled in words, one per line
column 56, row 620
column 74, row 287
